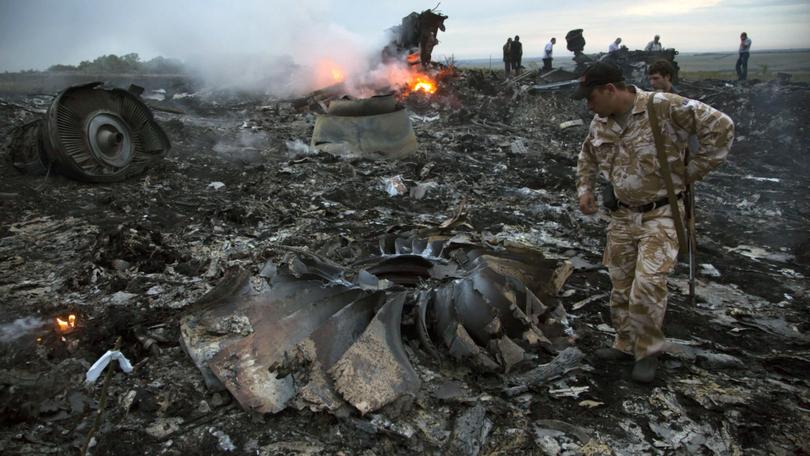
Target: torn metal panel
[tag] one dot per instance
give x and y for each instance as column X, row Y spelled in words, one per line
column 473, row 312
column 507, row 352
column 463, row 347
column 379, row 136
column 237, row 316
column 537, row 273
column 443, row 315
column 326, row 346
column 500, row 294
column 422, row 305
column 221, row 323
column 375, row 370
column 246, row 367
column 310, row 267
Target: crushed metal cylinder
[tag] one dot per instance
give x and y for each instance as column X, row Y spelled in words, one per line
column 93, row 134
column 318, row 335
column 374, row 128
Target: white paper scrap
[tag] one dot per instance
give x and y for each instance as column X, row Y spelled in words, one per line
column 98, row 367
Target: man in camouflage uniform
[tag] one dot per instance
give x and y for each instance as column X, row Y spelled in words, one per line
column 642, row 244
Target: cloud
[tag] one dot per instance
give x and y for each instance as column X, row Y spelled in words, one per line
column 647, row 8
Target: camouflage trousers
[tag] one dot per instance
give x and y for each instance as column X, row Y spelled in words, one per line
column 641, row 250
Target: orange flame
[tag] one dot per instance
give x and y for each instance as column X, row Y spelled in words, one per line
column 328, row 72
column 424, row 84
column 66, row 325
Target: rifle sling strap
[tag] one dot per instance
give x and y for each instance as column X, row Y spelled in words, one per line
column 680, row 230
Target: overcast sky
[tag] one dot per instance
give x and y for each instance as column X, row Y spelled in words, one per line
column 38, row 33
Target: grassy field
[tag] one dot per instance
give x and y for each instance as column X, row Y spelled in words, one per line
column 761, row 65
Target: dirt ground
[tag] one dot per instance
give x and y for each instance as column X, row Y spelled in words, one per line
column 130, row 259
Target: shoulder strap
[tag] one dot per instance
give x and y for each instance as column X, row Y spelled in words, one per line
column 667, row 175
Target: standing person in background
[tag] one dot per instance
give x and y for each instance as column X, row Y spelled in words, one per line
column 517, row 54
column 742, row 60
column 507, row 57
column 614, row 46
column 660, row 75
column 654, row 45
column 547, row 52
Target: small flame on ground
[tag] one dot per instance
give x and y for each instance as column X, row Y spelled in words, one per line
column 66, row 325
column 337, row 75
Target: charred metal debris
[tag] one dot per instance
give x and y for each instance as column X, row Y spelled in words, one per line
column 376, row 128
column 493, row 170
column 91, row 133
column 313, row 334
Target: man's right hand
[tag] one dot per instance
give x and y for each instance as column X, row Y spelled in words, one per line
column 587, row 204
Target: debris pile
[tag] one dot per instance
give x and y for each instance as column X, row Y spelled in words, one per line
column 330, row 336
column 248, row 244
column 634, row 64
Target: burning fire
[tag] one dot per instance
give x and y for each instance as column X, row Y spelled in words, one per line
column 422, row 83
column 66, row 325
column 328, row 72
column 363, row 83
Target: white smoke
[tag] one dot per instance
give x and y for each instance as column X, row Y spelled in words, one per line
column 9, row 332
column 258, row 45
column 295, row 50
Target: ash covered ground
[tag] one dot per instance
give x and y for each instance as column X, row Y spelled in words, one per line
column 240, row 187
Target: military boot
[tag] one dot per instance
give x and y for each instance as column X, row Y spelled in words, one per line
column 644, row 370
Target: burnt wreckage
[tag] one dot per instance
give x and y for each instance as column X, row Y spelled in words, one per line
column 634, row 64
column 314, row 334
column 375, row 127
column 91, row 133
column 418, row 31
column 240, row 284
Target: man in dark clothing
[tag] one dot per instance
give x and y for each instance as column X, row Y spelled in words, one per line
column 742, row 60
column 517, row 54
column 660, row 76
column 507, row 57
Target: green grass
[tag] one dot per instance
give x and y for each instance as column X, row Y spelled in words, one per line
column 732, row 75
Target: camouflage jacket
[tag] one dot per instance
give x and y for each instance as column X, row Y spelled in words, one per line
column 628, row 158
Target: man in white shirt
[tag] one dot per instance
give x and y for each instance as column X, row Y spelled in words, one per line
column 654, row 45
column 547, row 54
column 614, row 46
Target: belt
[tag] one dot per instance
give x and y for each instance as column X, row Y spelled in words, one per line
column 649, row 206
